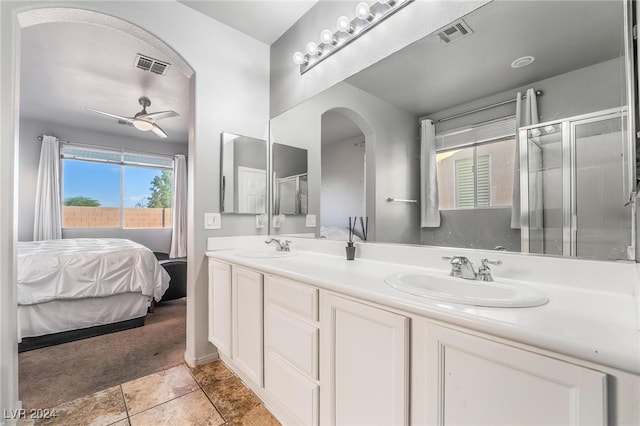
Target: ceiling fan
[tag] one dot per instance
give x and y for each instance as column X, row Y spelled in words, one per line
column 143, row 120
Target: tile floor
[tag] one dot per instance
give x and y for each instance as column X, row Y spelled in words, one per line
column 207, row 395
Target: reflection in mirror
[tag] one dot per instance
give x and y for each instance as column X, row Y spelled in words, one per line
column 342, row 193
column 471, row 96
column 290, row 185
column 243, row 174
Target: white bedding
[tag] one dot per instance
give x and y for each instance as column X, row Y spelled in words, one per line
column 87, row 267
column 71, row 314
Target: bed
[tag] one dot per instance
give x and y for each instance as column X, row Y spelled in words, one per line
column 75, row 288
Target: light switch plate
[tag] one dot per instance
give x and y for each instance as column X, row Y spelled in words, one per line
column 212, row 221
column 311, row 220
column 260, row 219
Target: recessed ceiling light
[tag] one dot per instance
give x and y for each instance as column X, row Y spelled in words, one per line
column 522, row 62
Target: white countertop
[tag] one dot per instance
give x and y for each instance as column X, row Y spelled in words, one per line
column 589, row 324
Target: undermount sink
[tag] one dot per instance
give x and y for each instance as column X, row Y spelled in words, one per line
column 263, row 252
column 494, row 294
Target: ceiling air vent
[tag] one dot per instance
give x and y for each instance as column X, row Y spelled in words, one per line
column 454, row 32
column 149, row 64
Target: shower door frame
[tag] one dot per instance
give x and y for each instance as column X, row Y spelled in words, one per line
column 569, row 202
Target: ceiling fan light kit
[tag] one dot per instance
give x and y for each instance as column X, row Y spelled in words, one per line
column 143, row 120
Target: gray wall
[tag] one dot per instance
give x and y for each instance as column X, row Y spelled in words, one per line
column 392, row 158
column 289, row 160
column 343, row 188
column 29, row 157
column 594, row 88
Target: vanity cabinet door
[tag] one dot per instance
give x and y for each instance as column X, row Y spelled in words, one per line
column 471, row 380
column 247, row 323
column 364, row 364
column 291, row 350
column 220, row 306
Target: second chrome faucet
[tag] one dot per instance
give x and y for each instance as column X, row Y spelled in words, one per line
column 462, row 267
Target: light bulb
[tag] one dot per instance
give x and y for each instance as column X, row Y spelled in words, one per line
column 298, row 58
column 326, row 36
column 549, row 129
column 313, row 49
column 363, row 11
column 344, row 24
column 142, row 125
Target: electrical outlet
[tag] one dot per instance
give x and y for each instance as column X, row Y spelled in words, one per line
column 277, row 220
column 212, row 221
column 311, row 220
column 260, row 218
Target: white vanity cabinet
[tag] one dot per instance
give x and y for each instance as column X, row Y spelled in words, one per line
column 364, row 359
column 472, row 380
column 220, row 306
column 246, row 322
column 235, row 317
column 291, row 334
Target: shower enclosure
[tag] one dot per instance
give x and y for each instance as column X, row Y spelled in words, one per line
column 577, row 181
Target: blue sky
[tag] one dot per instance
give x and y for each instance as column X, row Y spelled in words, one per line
column 102, row 182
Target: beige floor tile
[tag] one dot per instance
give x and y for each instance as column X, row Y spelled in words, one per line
column 101, row 408
column 231, row 397
column 158, row 388
column 191, row 409
column 124, row 422
column 210, row 373
column 258, row 416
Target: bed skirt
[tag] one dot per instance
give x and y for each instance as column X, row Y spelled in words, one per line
column 74, row 319
column 31, row 343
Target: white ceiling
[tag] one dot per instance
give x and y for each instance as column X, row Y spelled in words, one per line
column 264, row 20
column 67, row 67
column 430, row 76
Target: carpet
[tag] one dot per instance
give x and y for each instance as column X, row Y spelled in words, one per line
column 61, row 373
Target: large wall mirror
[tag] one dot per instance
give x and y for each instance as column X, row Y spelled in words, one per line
column 243, row 174
column 464, row 82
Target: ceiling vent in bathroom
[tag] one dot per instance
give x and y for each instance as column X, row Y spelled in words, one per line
column 147, row 63
column 454, row 32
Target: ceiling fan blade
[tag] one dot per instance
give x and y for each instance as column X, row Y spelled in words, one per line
column 119, row 117
column 160, row 115
column 158, row 131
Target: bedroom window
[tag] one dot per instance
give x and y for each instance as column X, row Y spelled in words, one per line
column 467, row 178
column 111, row 189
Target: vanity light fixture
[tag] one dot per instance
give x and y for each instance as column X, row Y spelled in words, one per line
column 347, row 30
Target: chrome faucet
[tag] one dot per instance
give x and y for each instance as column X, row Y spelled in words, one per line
column 279, row 245
column 462, row 267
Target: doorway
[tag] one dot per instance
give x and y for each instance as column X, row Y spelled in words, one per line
column 343, row 189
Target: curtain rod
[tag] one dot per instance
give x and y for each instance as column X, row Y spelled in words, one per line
column 112, row 148
column 462, row 114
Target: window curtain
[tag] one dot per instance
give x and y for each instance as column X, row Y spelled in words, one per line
column 179, row 222
column 47, row 223
column 429, row 207
column 526, row 115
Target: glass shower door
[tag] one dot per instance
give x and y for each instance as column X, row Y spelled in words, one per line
column 601, row 220
column 576, row 187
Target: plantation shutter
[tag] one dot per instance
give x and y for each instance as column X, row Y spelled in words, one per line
column 483, row 181
column 469, row 195
column 464, row 183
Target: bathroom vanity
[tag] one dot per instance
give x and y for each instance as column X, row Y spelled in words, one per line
column 323, row 340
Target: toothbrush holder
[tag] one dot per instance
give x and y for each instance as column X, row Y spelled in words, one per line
column 351, row 251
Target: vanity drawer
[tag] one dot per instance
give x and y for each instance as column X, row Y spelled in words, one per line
column 292, row 339
column 297, row 395
column 292, row 296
